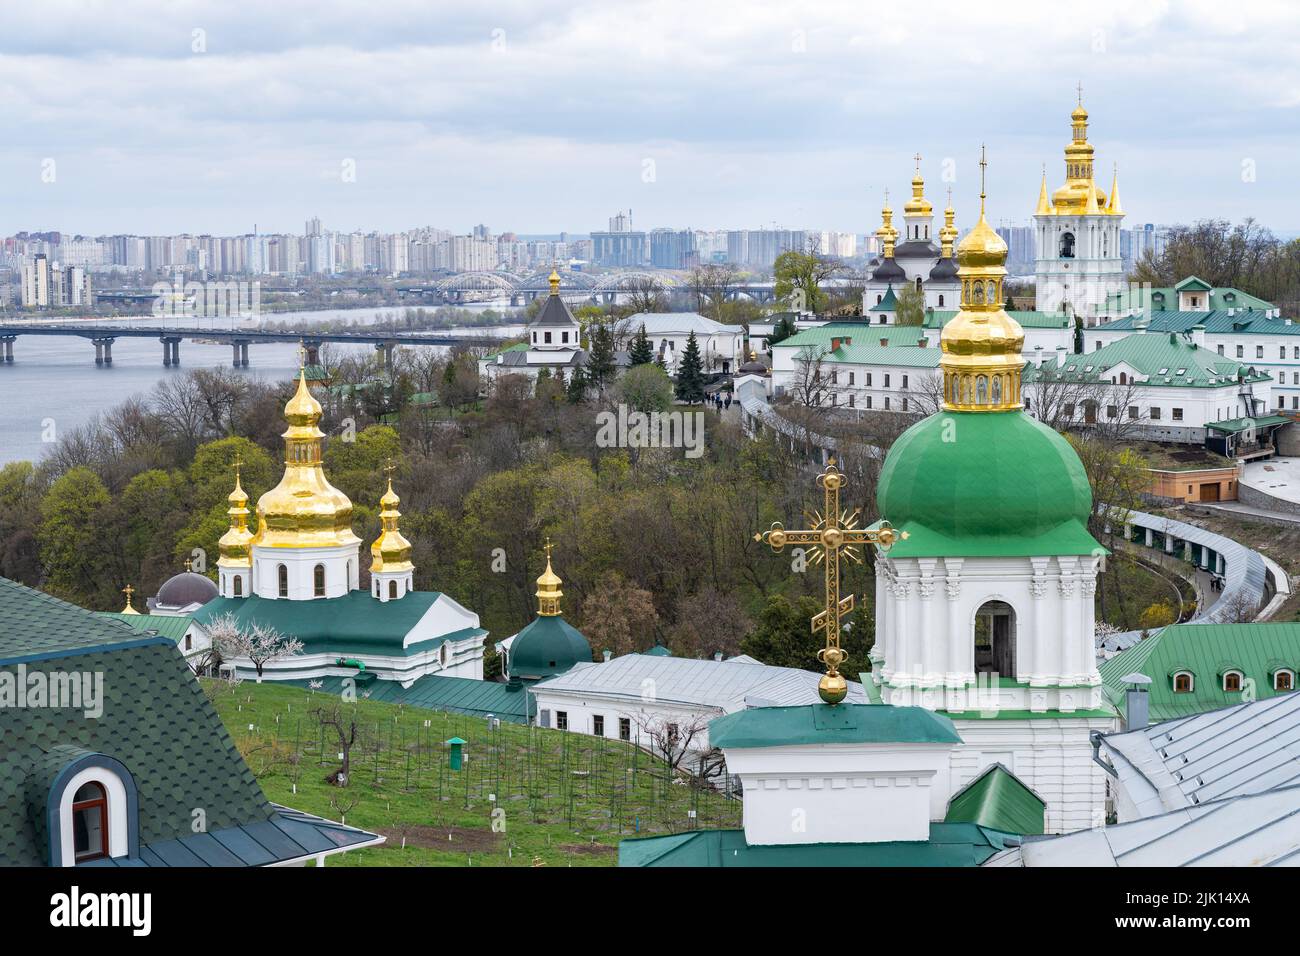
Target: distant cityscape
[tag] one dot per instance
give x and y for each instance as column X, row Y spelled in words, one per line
column 52, row 270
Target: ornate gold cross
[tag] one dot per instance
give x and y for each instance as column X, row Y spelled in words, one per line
column 834, row 532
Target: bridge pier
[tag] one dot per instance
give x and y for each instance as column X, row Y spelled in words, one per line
column 103, row 352
column 385, row 350
column 8, row 341
column 239, row 354
column 171, row 352
column 243, row 354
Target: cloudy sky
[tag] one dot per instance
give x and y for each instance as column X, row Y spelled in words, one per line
column 160, row 116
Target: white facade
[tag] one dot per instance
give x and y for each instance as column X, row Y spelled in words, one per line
column 722, row 347
column 1027, row 694
column 298, row 580
column 1077, row 263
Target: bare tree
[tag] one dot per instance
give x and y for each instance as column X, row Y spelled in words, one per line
column 670, row 737
column 344, row 726
column 810, row 383
column 711, row 284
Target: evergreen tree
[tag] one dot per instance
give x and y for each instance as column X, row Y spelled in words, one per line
column 600, row 357
column 577, row 390
column 642, row 352
column 783, row 329
column 690, row 373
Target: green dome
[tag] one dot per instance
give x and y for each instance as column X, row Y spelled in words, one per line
column 546, row 647
column 985, row 484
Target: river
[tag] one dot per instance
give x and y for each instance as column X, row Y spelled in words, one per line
column 53, row 384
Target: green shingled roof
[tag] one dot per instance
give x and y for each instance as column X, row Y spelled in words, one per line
column 826, row 724
column 36, row 623
column 1234, row 425
column 950, row 844
column 355, row 623
column 165, row 625
column 458, row 695
column 999, row 800
column 1207, row 651
column 1164, row 359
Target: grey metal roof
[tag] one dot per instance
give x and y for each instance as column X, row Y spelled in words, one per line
column 916, row 249
column 554, row 311
column 677, row 323
column 730, row 685
column 1244, row 575
column 1261, row 829
column 1243, row 749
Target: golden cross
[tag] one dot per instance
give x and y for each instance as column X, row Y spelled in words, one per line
column 302, row 354
column 238, row 463
column 548, row 549
column 917, row 157
column 1080, row 89
column 833, row 532
column 128, row 591
column 187, row 564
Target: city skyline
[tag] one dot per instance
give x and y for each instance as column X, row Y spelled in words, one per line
column 785, row 116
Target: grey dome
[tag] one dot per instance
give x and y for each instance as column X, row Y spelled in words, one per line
column 184, row 589
column 887, row 271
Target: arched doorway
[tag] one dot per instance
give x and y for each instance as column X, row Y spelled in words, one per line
column 1067, row 245
column 995, row 639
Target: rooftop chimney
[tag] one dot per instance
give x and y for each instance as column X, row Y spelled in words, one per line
column 606, row 654
column 1137, row 702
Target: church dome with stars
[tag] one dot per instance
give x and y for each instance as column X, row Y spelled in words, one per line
column 982, row 477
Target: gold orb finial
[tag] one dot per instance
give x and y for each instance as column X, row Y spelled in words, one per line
column 554, row 280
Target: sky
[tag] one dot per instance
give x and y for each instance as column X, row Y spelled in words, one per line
column 169, row 116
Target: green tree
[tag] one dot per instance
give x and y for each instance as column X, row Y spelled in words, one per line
column 641, row 353
column 799, row 275
column 600, row 357
column 645, row 388
column 911, row 306
column 576, row 392
column 783, row 329
column 690, row 373
column 73, row 540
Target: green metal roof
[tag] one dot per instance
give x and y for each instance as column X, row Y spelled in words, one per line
column 458, row 695
column 902, row 356
column 517, row 347
column 1218, row 322
column 1166, row 297
column 999, row 800
column 1166, row 359
column 1207, row 651
column 1234, row 425
column 938, row 318
column 861, row 332
column 986, row 484
column 165, row 625
column 356, row 623
column 950, row 844
column 827, row 724
column 888, row 303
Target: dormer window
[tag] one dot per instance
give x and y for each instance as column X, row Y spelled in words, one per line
column 1284, row 680
column 1183, row 682
column 1232, row 682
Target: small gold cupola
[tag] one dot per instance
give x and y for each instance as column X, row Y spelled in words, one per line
column 235, row 545
column 918, row 205
column 548, row 589
column 887, row 234
column 981, row 362
column 128, row 591
column 391, row 551
column 948, row 231
column 554, row 280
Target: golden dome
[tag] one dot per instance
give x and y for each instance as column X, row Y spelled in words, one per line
column 918, row 205
column 1080, row 195
column 548, row 588
column 391, row 551
column 981, row 361
column 554, row 280
column 304, row 510
column 235, row 543
column 887, row 234
column 948, row 231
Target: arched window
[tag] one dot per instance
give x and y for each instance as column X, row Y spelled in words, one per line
column 1067, row 245
column 90, row 822
column 442, row 655
column 318, row 580
column 1232, row 682
column 918, row 283
column 995, row 639
column 1183, row 682
column 239, row 585
column 941, row 300
column 283, row 573
column 392, row 589
column 1284, row 680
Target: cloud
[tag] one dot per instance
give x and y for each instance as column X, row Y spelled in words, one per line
column 536, row 116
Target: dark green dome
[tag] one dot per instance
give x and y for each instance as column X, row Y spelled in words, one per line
column 985, row 484
column 546, row 647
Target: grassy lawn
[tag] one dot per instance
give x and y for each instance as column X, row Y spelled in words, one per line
column 561, row 799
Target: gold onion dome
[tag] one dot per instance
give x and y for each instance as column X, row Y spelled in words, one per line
column 391, row 551
column 1080, row 195
column 887, row 233
column 304, row 510
column 918, row 204
column 548, row 589
column 554, row 280
column 235, row 543
column 981, row 361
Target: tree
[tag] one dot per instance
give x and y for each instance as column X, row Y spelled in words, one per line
column 72, row 539
column 600, row 357
column 1156, row 616
column 910, row 309
column 345, row 728
column 619, row 616
column 576, row 392
column 690, row 373
column 642, row 352
column 671, row 737
column 645, row 388
column 261, row 644
column 711, row 284
column 782, row 637
column 708, row 621
column 783, row 329
column 808, row 384
column 800, row 275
